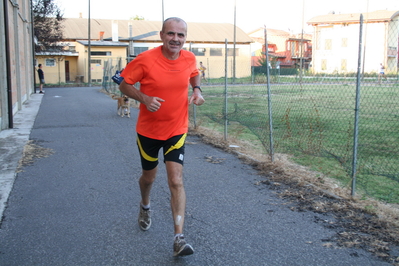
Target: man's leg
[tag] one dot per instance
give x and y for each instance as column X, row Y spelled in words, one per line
column 178, row 194
column 146, row 180
column 178, row 205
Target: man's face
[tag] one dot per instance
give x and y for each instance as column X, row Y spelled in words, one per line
column 174, row 36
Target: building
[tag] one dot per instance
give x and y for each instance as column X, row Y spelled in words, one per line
column 285, row 50
column 17, row 72
column 115, row 42
column 336, row 42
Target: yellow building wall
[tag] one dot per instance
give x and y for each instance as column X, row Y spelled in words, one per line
column 216, row 64
column 53, row 74
column 73, row 68
column 56, row 74
column 97, row 62
column 78, row 70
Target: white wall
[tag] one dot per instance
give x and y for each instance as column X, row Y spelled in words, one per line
column 376, row 40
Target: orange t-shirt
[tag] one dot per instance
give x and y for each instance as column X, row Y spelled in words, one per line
column 168, row 80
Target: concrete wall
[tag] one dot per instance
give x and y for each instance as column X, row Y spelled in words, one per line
column 20, row 64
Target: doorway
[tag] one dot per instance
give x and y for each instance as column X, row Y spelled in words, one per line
column 67, row 76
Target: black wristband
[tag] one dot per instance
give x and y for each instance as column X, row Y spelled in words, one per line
column 197, row 87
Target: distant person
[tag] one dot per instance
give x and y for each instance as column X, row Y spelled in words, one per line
column 164, row 73
column 41, row 77
column 202, row 69
column 381, row 73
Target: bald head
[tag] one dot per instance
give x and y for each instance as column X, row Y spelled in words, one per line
column 176, row 19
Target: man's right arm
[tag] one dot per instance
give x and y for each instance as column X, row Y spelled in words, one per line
column 132, row 92
column 152, row 103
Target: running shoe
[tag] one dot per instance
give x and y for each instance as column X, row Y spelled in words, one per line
column 181, row 248
column 144, row 219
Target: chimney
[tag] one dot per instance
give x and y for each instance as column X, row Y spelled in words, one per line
column 80, row 15
column 131, row 45
column 101, row 36
column 115, row 37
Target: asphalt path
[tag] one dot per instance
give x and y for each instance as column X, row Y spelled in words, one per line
column 79, row 205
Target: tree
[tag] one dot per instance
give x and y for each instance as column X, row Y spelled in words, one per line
column 272, row 60
column 137, row 17
column 48, row 28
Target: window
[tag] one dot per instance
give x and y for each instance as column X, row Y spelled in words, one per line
column 199, row 51
column 293, row 47
column 343, row 65
column 216, row 52
column 96, row 61
column 230, row 51
column 294, row 50
column 318, row 44
column 70, row 48
column 323, row 64
column 49, row 62
column 139, row 50
column 344, row 42
column 328, row 44
column 105, row 53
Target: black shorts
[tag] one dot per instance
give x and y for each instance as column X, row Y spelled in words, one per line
column 173, row 150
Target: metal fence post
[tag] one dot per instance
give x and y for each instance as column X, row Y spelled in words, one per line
column 269, row 100
column 194, row 106
column 225, row 92
column 357, row 104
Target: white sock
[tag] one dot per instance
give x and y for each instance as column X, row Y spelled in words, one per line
column 177, row 235
column 145, row 206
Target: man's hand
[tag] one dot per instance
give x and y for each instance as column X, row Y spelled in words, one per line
column 153, row 103
column 196, row 98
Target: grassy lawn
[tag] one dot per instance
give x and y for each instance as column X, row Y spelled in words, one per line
column 315, row 123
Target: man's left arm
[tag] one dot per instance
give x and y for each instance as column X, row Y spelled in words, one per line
column 196, row 97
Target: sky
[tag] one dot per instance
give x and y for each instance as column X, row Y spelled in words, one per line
column 287, row 15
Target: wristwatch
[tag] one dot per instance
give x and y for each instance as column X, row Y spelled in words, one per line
column 197, row 87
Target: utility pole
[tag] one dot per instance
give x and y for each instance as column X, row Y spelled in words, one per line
column 234, row 45
column 163, row 19
column 89, row 51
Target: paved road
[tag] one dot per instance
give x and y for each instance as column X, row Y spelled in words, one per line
column 79, row 205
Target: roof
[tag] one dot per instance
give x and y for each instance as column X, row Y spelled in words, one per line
column 299, row 39
column 148, row 31
column 102, row 43
column 375, row 16
column 59, row 53
column 273, row 32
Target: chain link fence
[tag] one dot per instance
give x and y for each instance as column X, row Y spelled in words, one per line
column 320, row 97
column 329, row 105
column 110, row 66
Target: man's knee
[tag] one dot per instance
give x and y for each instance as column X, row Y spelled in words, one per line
column 175, row 182
column 148, row 176
column 175, row 174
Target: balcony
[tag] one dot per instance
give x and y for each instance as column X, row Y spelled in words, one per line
column 392, row 51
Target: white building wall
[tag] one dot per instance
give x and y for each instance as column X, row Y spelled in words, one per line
column 336, row 47
column 375, row 46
